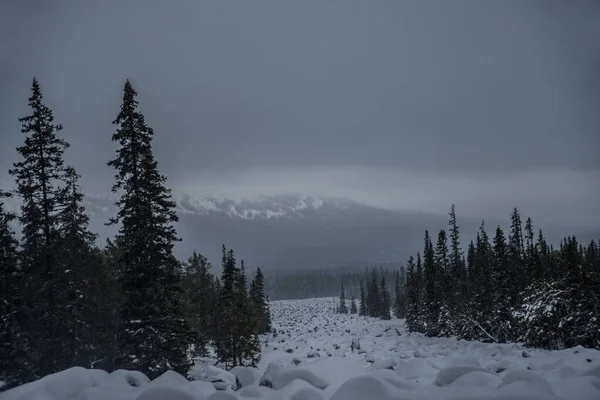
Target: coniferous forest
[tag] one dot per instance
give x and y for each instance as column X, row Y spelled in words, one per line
column 506, row 288
column 130, row 304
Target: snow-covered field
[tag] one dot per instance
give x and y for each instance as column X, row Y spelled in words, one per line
column 315, row 356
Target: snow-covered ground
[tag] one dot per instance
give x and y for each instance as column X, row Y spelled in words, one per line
column 315, row 356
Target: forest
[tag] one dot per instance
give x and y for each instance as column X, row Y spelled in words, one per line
column 65, row 301
column 131, row 304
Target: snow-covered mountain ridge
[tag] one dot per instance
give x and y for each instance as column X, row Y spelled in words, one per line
column 262, row 207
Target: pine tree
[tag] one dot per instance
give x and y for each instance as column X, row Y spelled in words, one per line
column 258, row 296
column 353, row 309
column 342, row 308
column 411, row 295
column 420, row 310
column 400, row 294
column 502, row 295
column 15, row 362
column 200, row 298
column 39, row 185
column 515, row 256
column 77, row 260
column 236, row 338
column 155, row 335
column 456, row 265
column 363, row 310
column 374, row 296
column 432, row 299
column 246, row 327
column 385, row 301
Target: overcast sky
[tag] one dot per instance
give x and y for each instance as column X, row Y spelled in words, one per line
column 403, row 104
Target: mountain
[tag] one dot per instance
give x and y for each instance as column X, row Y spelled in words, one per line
column 287, row 231
column 298, row 232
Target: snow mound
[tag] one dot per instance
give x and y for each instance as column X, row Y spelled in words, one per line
column 277, row 378
column 246, row 376
column 364, row 387
column 448, row 375
column 126, row 377
column 423, row 368
column 167, row 393
column 170, row 378
column 69, row 384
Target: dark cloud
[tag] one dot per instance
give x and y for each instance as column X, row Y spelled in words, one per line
column 436, row 87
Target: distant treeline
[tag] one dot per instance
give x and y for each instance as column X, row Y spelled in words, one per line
column 301, row 284
column 506, row 289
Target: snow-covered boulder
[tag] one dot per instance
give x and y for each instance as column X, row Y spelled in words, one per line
column 70, row 384
column 170, row 378
column 448, row 375
column 254, row 391
column 275, row 377
column 220, row 379
column 167, row 393
column 126, row 377
column 246, row 376
column 222, row 396
column 385, row 363
column 529, row 378
column 364, row 387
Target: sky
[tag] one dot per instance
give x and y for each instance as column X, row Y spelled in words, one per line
column 399, row 104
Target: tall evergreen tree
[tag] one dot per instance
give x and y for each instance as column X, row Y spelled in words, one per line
column 15, row 362
column 155, row 334
column 236, row 338
column 504, row 287
column 515, row 256
column 245, row 326
column 374, row 296
column 363, row 303
column 456, row 265
column 353, row 309
column 385, row 302
column 432, row 299
column 77, row 258
column 400, row 294
column 39, row 178
column 201, row 300
column 258, row 296
column 412, row 296
column 342, row 308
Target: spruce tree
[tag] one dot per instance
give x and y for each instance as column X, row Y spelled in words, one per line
column 246, row 326
column 504, row 282
column 432, row 299
column 77, row 260
column 385, row 303
column 411, row 295
column 236, row 339
column 155, row 334
column 342, row 308
column 363, row 304
column 374, row 298
column 400, row 294
column 420, row 284
column 456, row 265
column 15, row 363
column 516, row 256
column 258, row 296
column 39, row 178
column 201, row 300
column 353, row 309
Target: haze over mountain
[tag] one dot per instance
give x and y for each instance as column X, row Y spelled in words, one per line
column 299, row 232
column 407, row 105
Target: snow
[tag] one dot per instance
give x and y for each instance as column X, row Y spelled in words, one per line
column 390, row 364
